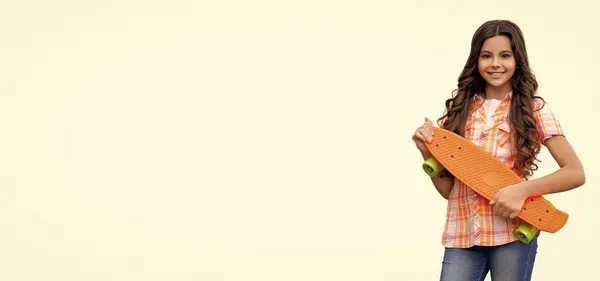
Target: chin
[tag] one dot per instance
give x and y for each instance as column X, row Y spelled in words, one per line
column 495, row 83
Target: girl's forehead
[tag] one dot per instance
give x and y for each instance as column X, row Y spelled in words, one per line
column 499, row 40
column 497, row 44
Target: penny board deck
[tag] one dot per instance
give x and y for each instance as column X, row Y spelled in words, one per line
column 486, row 175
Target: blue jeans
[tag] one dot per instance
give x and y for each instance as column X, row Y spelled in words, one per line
column 513, row 261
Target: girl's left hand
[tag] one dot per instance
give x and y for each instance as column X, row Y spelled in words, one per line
column 509, row 200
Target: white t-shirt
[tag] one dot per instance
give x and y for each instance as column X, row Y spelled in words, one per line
column 490, row 106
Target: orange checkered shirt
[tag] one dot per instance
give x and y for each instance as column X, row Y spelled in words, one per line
column 470, row 219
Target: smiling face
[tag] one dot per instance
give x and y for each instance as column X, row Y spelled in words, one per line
column 496, row 63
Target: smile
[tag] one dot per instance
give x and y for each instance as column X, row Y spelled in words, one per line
column 496, row 74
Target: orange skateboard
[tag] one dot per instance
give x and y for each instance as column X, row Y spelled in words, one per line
column 486, row 175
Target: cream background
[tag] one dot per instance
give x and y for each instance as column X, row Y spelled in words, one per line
column 258, row 140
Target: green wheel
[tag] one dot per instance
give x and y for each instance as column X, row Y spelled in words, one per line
column 432, row 167
column 525, row 233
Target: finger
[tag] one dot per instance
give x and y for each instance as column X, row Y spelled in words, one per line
column 417, row 131
column 506, row 212
column 514, row 215
column 428, row 135
column 494, row 198
column 425, row 133
column 419, row 135
column 428, row 124
column 498, row 208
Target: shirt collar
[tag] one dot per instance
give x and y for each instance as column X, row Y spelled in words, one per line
column 479, row 97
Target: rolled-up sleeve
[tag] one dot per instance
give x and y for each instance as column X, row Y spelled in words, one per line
column 547, row 123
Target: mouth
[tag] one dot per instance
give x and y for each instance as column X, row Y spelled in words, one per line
column 496, row 74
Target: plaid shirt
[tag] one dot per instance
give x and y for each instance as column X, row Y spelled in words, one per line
column 470, row 219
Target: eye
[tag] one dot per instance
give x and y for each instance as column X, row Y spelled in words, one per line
column 485, row 56
column 506, row 56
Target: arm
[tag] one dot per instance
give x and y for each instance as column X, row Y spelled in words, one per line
column 509, row 201
column 442, row 184
column 569, row 176
column 422, row 134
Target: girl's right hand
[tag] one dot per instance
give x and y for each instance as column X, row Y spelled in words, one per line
column 422, row 134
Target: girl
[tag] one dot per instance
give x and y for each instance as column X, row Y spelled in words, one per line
column 496, row 107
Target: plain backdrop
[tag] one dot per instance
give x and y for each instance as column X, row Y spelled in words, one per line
column 259, row 140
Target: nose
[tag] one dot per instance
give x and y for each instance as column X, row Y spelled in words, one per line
column 495, row 62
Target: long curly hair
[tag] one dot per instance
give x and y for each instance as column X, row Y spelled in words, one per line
column 524, row 85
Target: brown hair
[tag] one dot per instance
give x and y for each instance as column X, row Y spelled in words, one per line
column 524, row 84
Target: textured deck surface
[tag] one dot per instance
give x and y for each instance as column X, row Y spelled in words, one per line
column 486, row 175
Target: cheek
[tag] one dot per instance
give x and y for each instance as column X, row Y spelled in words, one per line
column 511, row 65
column 481, row 66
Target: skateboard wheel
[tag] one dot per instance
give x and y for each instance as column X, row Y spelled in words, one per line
column 525, row 233
column 432, row 167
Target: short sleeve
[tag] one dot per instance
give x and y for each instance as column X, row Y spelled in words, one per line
column 547, row 123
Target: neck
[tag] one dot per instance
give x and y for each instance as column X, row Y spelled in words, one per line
column 498, row 93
